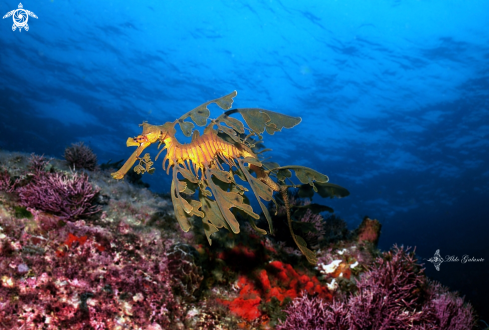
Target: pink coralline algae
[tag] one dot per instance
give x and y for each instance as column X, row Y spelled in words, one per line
column 185, row 271
column 6, row 183
column 70, row 197
column 37, row 163
column 317, row 221
column 394, row 294
column 448, row 309
column 65, row 278
column 309, row 313
column 80, row 156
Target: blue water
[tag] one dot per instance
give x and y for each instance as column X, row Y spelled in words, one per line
column 394, row 97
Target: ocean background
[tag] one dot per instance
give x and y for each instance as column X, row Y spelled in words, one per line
column 393, row 95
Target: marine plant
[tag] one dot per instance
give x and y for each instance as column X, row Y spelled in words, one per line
column 6, row 183
column 80, row 156
column 394, row 294
column 37, row 163
column 208, row 165
column 70, row 197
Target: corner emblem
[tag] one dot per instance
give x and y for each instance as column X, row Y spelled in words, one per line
column 20, row 17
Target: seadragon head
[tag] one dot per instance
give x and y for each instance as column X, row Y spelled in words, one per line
column 150, row 135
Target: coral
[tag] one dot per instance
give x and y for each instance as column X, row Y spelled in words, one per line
column 394, row 294
column 80, row 156
column 60, row 194
column 369, row 231
column 278, row 280
column 186, row 273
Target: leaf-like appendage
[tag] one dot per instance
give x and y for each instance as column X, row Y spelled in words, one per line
column 325, row 190
column 252, row 160
column 200, row 114
column 230, row 133
column 223, row 185
column 206, row 192
column 304, row 174
column 187, row 174
column 256, row 228
column 240, row 174
column 221, row 175
column 283, row 174
column 263, row 150
column 226, row 102
column 251, row 220
column 196, row 205
column 233, row 123
column 190, row 189
column 180, row 214
column 226, row 200
column 260, row 119
column 187, row 127
column 241, row 188
column 261, row 190
column 310, row 255
column 181, row 185
column 255, row 119
column 187, row 207
column 139, row 169
column 213, row 219
column 271, row 129
column 183, row 209
column 308, row 175
column 331, row 190
column 148, row 163
column 281, row 120
column 270, row 165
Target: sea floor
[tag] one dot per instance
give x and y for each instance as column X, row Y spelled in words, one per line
column 80, row 250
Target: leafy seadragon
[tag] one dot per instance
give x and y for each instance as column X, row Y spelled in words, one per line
column 211, row 162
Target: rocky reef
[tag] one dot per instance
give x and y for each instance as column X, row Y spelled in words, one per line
column 80, row 250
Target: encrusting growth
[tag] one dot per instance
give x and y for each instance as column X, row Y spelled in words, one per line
column 208, row 165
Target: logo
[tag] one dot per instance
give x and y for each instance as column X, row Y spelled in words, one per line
column 437, row 259
column 20, row 17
